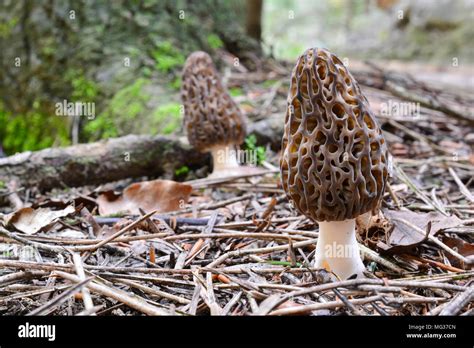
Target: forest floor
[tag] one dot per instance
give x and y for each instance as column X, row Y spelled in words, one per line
column 238, row 248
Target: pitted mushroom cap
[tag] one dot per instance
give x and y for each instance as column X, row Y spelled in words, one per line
column 211, row 116
column 334, row 157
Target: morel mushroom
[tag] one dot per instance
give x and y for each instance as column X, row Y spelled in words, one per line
column 212, row 120
column 334, row 157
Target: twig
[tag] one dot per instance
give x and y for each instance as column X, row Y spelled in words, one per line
column 91, row 311
column 8, row 278
column 33, row 293
column 115, row 235
column 303, row 309
column 263, row 236
column 403, row 177
column 118, row 295
column 88, row 304
column 225, row 256
column 41, row 246
column 58, row 300
column 458, row 302
column 462, row 188
column 154, row 292
column 372, row 255
column 179, row 220
column 430, row 103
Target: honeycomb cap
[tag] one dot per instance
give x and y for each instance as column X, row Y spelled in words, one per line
column 334, row 157
column 211, row 116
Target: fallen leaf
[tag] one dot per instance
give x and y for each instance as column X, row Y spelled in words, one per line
column 462, row 247
column 160, row 195
column 30, row 221
column 404, row 238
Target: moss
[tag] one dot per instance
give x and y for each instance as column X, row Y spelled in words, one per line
column 33, row 130
column 167, row 57
column 167, row 118
column 121, row 113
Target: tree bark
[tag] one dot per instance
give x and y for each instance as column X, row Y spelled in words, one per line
column 100, row 162
column 253, row 23
column 115, row 159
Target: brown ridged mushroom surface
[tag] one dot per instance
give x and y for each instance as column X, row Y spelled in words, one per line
column 334, row 157
column 212, row 118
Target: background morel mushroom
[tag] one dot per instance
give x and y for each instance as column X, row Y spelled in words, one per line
column 212, row 120
column 334, row 157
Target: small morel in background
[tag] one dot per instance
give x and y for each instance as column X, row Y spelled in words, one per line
column 213, row 121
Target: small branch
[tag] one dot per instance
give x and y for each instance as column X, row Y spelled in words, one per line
column 58, row 300
column 430, row 103
column 458, row 302
column 115, row 235
column 462, row 188
column 88, row 304
column 132, row 301
column 304, row 309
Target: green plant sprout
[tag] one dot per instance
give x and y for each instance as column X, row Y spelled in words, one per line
column 250, row 144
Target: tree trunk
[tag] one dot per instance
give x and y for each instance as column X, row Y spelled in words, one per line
column 95, row 163
column 115, row 159
column 253, row 24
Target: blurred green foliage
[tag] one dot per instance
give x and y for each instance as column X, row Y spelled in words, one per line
column 83, row 89
column 167, row 57
column 130, row 101
column 33, row 130
column 7, row 26
column 181, row 171
column 167, row 118
column 269, row 83
column 236, row 91
column 214, row 41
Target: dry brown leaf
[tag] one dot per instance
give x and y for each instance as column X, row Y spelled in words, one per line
column 403, row 237
column 30, row 221
column 160, row 195
column 462, row 247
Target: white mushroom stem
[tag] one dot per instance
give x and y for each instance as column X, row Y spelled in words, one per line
column 224, row 158
column 337, row 249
